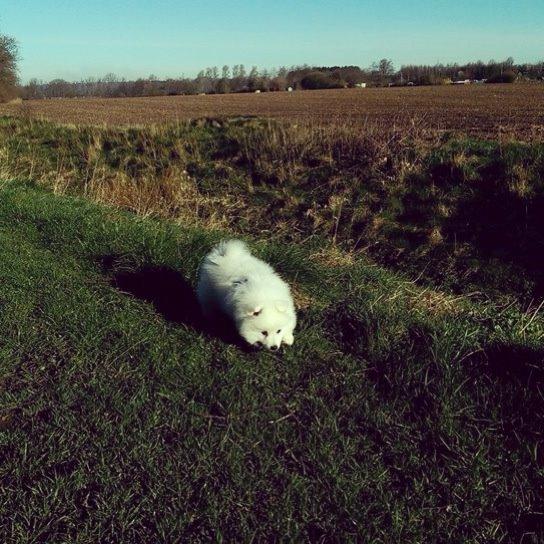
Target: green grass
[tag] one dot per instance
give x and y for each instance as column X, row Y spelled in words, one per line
column 400, row 414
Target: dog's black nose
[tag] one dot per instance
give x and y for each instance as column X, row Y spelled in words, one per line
column 273, row 348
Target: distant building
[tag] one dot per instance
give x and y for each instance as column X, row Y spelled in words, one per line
column 361, row 85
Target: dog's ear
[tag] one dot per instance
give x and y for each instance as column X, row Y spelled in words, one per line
column 254, row 311
column 281, row 306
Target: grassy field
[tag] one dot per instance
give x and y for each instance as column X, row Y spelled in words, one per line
column 395, row 417
column 410, row 408
column 483, row 110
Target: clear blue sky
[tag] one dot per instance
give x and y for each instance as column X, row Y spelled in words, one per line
column 80, row 38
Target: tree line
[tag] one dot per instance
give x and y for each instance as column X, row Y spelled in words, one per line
column 506, row 71
column 238, row 79
column 235, row 79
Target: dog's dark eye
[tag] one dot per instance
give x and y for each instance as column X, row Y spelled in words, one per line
column 278, row 331
column 264, row 333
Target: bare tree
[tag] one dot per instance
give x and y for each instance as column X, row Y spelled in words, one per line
column 384, row 71
column 253, row 79
column 33, row 89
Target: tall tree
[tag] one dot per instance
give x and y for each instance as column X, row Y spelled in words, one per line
column 253, row 79
column 384, row 70
column 8, row 68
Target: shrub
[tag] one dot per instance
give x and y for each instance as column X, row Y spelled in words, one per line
column 508, row 76
column 319, row 80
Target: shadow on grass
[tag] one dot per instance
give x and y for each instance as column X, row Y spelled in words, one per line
column 509, row 379
column 516, row 362
column 477, row 208
column 166, row 289
column 171, row 295
column 504, row 227
column 516, row 374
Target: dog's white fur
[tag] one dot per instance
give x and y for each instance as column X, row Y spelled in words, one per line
column 247, row 290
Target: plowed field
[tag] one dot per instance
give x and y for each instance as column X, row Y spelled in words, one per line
column 477, row 109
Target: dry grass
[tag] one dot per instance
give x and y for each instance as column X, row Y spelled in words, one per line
column 408, row 198
column 333, row 256
column 503, row 111
column 145, row 170
column 175, row 196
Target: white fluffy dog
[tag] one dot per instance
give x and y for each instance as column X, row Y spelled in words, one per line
column 247, row 290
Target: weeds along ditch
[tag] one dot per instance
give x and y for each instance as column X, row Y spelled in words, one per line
column 458, row 213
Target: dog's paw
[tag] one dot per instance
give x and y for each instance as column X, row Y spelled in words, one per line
column 288, row 339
